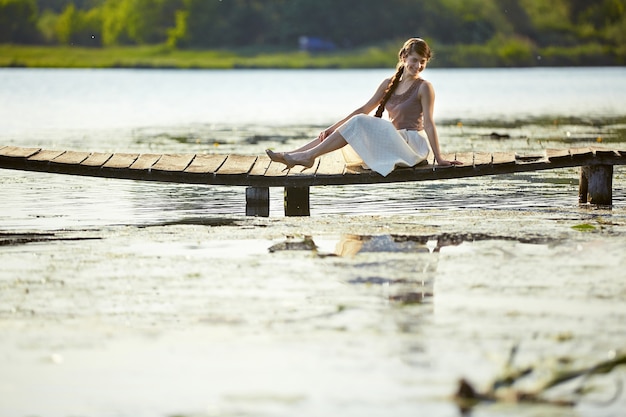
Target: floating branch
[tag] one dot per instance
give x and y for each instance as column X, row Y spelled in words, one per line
column 503, row 388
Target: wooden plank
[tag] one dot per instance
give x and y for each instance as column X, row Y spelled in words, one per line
column 205, row 164
column 529, row 158
column 96, row 159
column 581, row 152
column 446, row 156
column 604, row 152
column 237, row 165
column 304, row 171
column 260, row 166
column 17, row 152
column 45, row 155
column 121, row 160
column 466, row 157
column 482, row 158
column 173, row 162
column 331, row 164
column 557, row 154
column 425, row 166
column 503, row 158
column 356, row 170
column 276, row 169
column 71, row 158
column 145, row 161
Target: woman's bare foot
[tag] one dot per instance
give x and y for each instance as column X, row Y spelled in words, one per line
column 277, row 157
column 291, row 160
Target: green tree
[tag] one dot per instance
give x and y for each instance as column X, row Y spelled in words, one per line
column 347, row 23
column 47, row 26
column 114, row 22
column 80, row 27
column 194, row 24
column 58, row 6
column 239, row 23
column 511, row 30
column 138, row 21
column 18, row 21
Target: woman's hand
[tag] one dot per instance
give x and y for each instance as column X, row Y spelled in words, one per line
column 445, row 163
column 324, row 134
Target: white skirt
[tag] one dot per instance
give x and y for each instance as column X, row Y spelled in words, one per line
column 375, row 144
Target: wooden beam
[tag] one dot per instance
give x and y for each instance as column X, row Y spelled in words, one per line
column 596, row 185
column 258, row 201
column 297, row 201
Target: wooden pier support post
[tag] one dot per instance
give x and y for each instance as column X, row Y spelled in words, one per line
column 258, row 201
column 297, row 201
column 596, row 185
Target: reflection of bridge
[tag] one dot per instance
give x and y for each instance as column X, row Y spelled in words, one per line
column 258, row 173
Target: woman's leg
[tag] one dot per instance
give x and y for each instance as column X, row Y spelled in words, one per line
column 306, row 155
column 307, row 146
column 280, row 156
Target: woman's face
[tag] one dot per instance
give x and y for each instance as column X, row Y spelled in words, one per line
column 414, row 64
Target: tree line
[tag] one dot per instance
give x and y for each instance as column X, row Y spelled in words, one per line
column 347, row 23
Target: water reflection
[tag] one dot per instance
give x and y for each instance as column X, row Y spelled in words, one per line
column 402, row 268
column 415, row 286
column 350, row 245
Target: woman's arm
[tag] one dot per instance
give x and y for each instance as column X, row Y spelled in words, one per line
column 426, row 94
column 367, row 108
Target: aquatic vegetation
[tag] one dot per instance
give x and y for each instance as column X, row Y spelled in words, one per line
column 584, row 227
column 504, row 389
column 13, row 239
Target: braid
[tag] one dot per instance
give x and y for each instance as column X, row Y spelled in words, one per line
column 393, row 84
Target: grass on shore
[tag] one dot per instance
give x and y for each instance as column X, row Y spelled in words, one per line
column 505, row 54
column 158, row 56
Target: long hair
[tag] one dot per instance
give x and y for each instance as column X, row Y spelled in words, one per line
column 413, row 45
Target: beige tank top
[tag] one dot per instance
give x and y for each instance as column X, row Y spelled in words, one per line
column 405, row 110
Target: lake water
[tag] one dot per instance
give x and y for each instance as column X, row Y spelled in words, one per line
column 33, row 100
column 143, row 299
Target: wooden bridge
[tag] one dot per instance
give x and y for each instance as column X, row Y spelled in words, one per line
column 259, row 173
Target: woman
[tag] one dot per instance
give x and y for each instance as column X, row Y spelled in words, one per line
column 382, row 144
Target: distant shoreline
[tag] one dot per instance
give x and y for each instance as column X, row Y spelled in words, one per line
column 162, row 57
